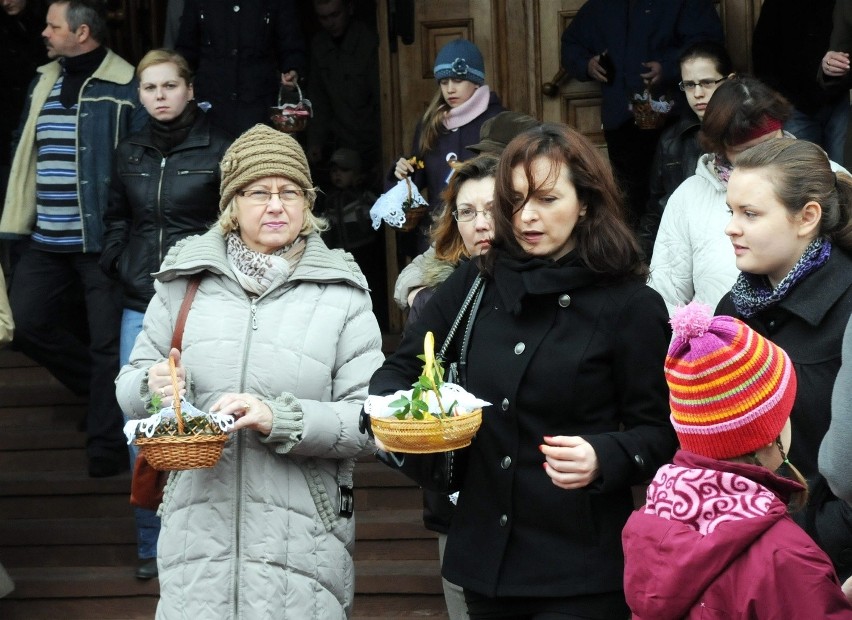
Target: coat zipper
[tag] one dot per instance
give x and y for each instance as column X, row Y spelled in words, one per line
column 240, row 448
column 160, row 207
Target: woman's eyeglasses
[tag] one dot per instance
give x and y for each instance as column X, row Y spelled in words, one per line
column 263, row 197
column 705, row 84
column 468, row 215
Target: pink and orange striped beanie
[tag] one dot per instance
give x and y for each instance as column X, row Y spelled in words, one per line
column 731, row 389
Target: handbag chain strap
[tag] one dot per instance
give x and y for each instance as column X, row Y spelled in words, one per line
column 475, row 293
column 191, row 289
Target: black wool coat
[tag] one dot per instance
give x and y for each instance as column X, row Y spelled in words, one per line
column 557, row 351
column 809, row 324
column 155, row 201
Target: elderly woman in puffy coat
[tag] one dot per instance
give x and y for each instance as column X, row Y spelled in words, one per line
column 282, row 336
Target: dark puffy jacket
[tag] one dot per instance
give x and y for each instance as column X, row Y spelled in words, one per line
column 675, row 160
column 156, row 201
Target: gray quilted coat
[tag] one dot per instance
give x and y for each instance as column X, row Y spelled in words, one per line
column 259, row 536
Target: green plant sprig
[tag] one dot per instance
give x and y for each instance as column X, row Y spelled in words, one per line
column 430, row 380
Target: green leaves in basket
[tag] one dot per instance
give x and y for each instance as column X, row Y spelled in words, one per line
column 156, row 403
column 430, row 380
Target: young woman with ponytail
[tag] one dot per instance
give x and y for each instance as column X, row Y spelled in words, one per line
column 792, row 240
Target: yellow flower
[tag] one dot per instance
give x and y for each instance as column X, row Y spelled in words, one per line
column 428, row 354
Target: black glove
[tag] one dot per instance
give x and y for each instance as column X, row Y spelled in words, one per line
column 364, row 424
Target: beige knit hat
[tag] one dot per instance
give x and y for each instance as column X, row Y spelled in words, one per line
column 262, row 152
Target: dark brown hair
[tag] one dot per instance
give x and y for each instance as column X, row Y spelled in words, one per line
column 449, row 245
column 604, row 241
column 800, row 172
column 737, row 107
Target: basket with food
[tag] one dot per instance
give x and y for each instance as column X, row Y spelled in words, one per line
column 291, row 117
column 401, row 206
column 180, row 436
column 433, row 416
column 649, row 113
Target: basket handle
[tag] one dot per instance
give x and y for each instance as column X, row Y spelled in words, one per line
column 173, row 372
column 281, row 90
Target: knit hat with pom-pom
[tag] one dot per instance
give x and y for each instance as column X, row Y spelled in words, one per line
column 731, row 389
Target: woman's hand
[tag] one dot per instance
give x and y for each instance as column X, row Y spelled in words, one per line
column 570, row 462
column 403, row 168
column 847, row 589
column 160, row 379
column 249, row 411
column 596, row 71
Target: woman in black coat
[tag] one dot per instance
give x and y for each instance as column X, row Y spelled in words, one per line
column 792, row 236
column 165, row 187
column 568, row 344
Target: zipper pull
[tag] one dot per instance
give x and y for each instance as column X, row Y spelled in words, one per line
column 253, row 316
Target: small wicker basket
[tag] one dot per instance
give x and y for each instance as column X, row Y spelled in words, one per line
column 181, row 451
column 413, row 215
column 645, row 116
column 291, row 117
column 427, row 436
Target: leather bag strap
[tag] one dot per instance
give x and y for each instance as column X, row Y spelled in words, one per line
column 191, row 289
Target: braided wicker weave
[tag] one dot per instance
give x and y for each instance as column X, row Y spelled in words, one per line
column 427, row 436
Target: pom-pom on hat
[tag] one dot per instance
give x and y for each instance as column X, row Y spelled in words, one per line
column 262, row 152
column 731, row 389
column 460, row 60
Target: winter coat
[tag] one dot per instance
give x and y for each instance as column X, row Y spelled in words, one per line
column 675, row 160
column 789, row 41
column 841, row 41
column 109, row 109
column 834, row 462
column 156, row 201
column 239, row 51
column 557, row 351
column 260, row 534
column 734, row 554
column 633, row 33
column 344, row 90
column 809, row 324
column 693, row 258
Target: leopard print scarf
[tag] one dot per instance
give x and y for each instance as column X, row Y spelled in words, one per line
column 256, row 271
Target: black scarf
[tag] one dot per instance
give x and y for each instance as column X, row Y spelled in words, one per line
column 517, row 278
column 76, row 70
column 167, row 135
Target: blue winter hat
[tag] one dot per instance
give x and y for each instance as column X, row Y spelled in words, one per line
column 460, row 60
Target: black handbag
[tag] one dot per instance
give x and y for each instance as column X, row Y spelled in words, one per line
column 443, row 472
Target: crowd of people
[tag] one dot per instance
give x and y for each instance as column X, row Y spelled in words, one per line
column 593, row 332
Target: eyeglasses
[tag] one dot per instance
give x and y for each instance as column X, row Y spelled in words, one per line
column 263, row 197
column 468, row 215
column 705, row 84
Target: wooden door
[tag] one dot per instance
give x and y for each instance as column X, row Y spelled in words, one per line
column 520, row 41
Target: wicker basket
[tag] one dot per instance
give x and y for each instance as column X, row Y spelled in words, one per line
column 645, row 116
column 289, row 117
column 413, row 215
column 181, row 451
column 426, row 436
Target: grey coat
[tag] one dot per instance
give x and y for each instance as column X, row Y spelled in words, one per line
column 834, row 461
column 259, row 535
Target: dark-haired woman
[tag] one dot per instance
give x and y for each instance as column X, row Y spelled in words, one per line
column 791, row 236
column 568, row 344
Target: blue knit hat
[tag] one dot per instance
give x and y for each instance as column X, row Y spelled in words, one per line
column 460, row 60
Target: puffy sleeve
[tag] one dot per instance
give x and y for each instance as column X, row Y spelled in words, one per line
column 329, row 429
column 834, row 461
column 671, row 264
